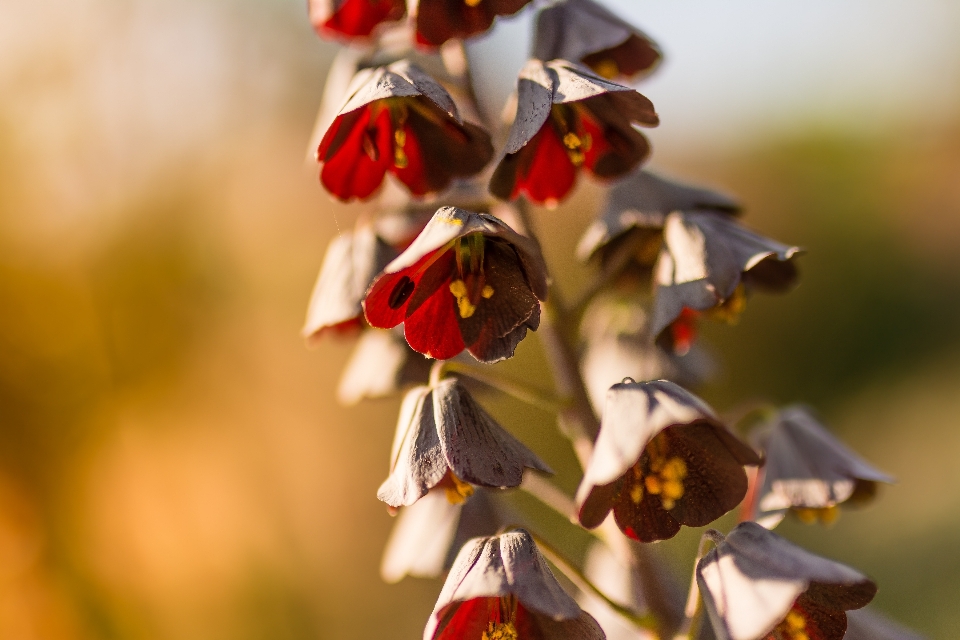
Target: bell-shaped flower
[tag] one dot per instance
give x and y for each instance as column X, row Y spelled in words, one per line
column 587, row 32
column 428, row 534
column 867, row 624
column 617, row 346
column 398, row 119
column 353, row 18
column 444, row 438
column 381, row 365
column 709, row 261
column 467, row 282
column 442, row 20
column 633, row 214
column 569, row 118
column 500, row 588
column 352, row 261
column 757, row 585
column 662, row 459
column 808, row 472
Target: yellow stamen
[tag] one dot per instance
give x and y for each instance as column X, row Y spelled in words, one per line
column 607, row 68
column 574, row 148
column 400, row 159
column 487, row 292
column 659, row 475
column 458, row 491
column 500, row 631
column 459, row 290
column 730, row 309
column 472, row 3
column 825, row 515
column 636, row 493
column 795, row 621
column 652, row 483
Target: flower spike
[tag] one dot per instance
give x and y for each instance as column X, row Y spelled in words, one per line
column 398, row 119
column 757, row 585
column 587, row 32
column 568, row 118
column 445, row 438
column 501, row 588
column 808, row 472
column 467, row 282
column 662, row 460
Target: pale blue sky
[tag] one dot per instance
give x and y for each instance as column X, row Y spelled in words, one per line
column 739, row 70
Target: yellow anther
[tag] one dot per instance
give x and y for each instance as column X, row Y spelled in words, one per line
column 674, row 469
column 668, row 503
column 500, row 631
column 671, row 489
column 829, row 515
column 607, row 68
column 458, row 288
column 487, row 291
column 731, row 308
column 806, row 516
column 400, row 159
column 472, row 3
column 826, row 515
column 571, row 140
column 636, row 493
column 400, row 137
column 795, row 620
column 652, row 483
column 458, row 491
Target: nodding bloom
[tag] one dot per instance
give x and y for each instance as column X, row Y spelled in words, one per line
column 708, row 263
column 662, row 459
column 398, row 119
column 445, row 439
column 808, row 472
column 866, row 624
column 352, row 261
column 617, row 345
column 428, row 534
column 568, row 119
column 467, row 282
column 382, row 364
column 757, row 585
column 442, row 20
column 500, row 588
column 587, row 32
column 353, row 18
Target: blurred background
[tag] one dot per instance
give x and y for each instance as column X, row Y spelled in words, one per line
column 172, row 460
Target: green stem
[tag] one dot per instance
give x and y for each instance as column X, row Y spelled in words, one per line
column 547, row 493
column 520, row 391
column 693, row 612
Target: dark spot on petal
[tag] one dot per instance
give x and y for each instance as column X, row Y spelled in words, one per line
column 401, row 292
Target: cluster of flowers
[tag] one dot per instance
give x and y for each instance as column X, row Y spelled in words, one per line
column 470, row 277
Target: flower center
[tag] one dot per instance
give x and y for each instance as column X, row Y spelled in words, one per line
column 457, row 490
column 793, row 627
column 576, row 141
column 662, row 477
column 731, row 308
column 606, row 68
column 499, row 630
column 501, row 625
column 826, row 515
column 470, row 287
column 472, row 3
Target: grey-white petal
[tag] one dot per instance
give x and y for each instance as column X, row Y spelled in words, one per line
column 643, row 200
column 351, row 262
column 421, row 538
column 620, row 583
column 704, row 258
column 867, row 624
column 634, row 413
column 476, row 448
column 399, row 80
column 750, row 581
column 807, row 467
column 381, row 365
column 535, row 89
column 417, row 460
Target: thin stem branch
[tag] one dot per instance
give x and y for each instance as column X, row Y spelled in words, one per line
column 520, row 391
column 693, row 611
column 547, row 493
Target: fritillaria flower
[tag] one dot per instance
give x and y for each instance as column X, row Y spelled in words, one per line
column 428, row 534
column 467, row 282
column 444, row 438
column 381, row 365
column 353, row 18
column 633, row 214
column 587, row 32
column 500, row 588
column 398, row 119
column 442, row 20
column 709, row 261
column 808, row 472
column 757, row 585
column 569, row 118
column 662, row 460
column 352, row 260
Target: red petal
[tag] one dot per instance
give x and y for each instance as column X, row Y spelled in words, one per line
column 350, row 172
column 431, row 326
column 381, row 305
column 470, row 619
column 550, row 174
column 599, row 145
column 357, row 18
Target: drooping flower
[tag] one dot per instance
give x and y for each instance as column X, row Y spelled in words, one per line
column 444, row 438
column 398, row 119
column 568, row 119
column 757, row 585
column 867, row 624
column 467, row 282
column 633, row 214
column 617, row 345
column 500, row 588
column 708, row 262
column 353, row 18
column 428, row 534
column 352, row 261
column 587, row 32
column 662, row 459
column 808, row 472
column 442, row 20
column 381, row 365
